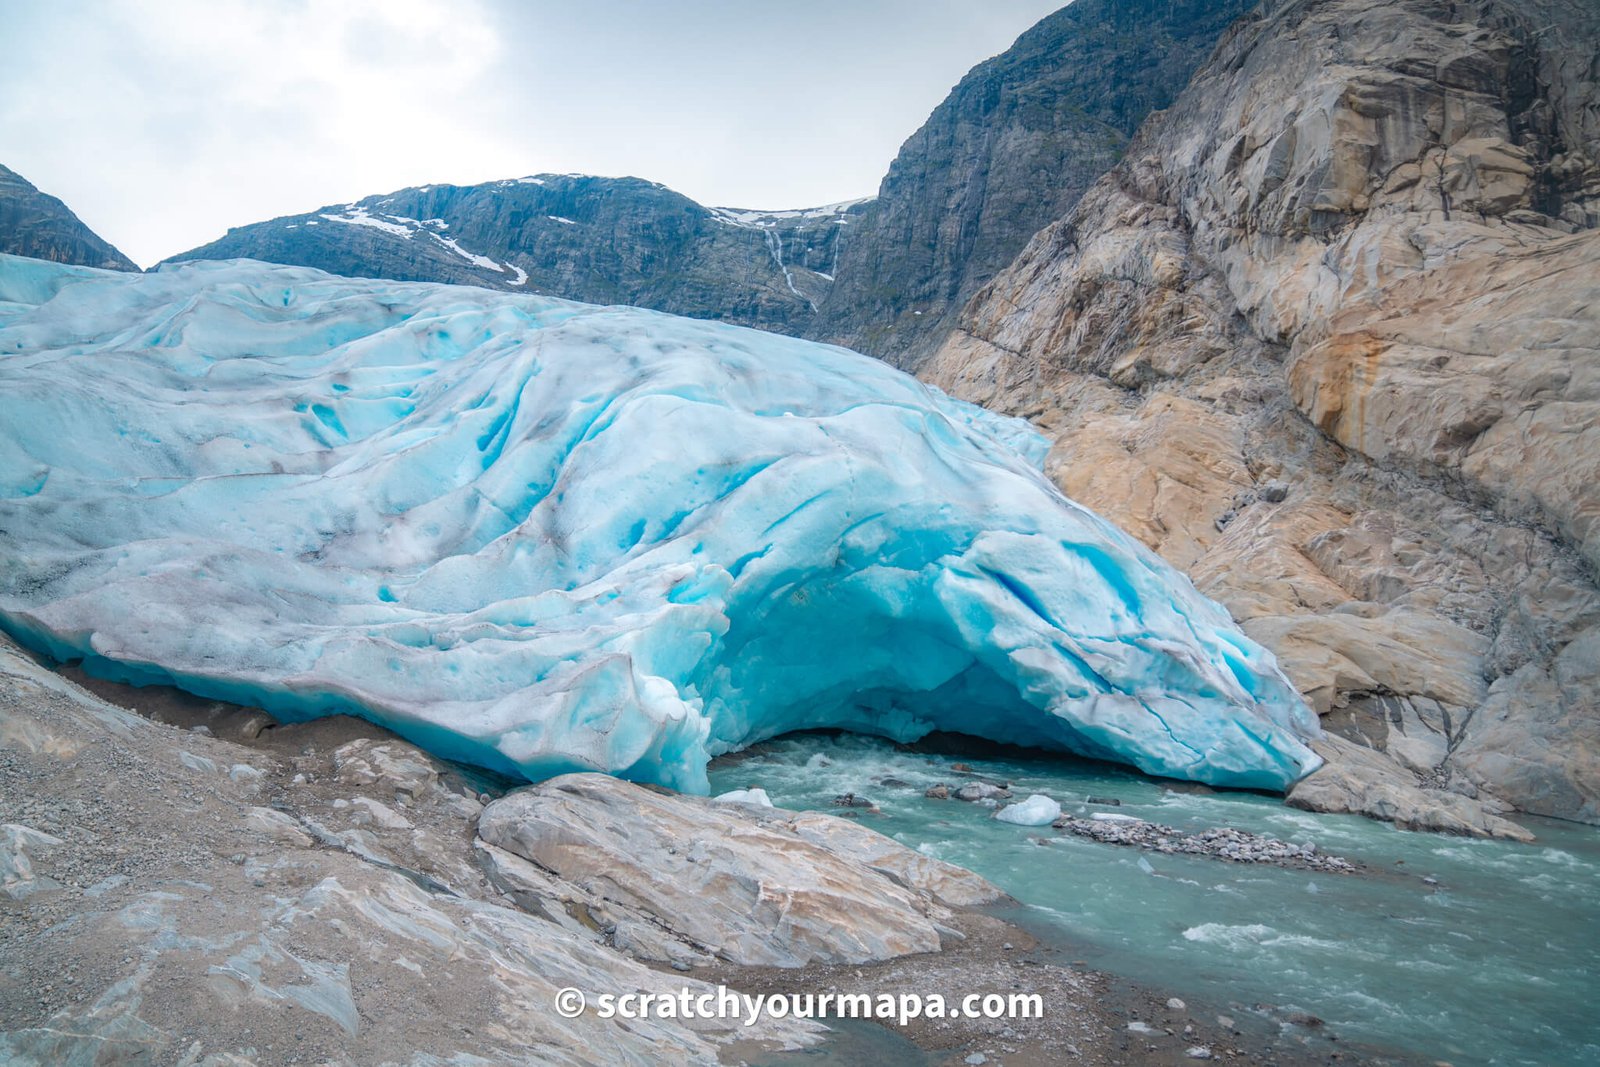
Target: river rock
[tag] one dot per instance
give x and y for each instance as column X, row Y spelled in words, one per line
column 1222, row 842
column 982, row 791
column 734, row 881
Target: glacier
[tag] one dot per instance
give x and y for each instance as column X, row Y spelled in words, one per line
column 542, row 536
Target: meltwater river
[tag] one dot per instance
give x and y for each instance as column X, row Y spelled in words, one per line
column 1448, row 948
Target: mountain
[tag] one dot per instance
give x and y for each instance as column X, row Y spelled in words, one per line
column 1012, row 148
column 1326, row 338
column 39, row 226
column 1321, row 333
column 599, row 240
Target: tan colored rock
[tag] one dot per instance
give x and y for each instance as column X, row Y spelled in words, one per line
column 1343, row 262
column 1487, row 175
column 394, row 765
column 1502, row 389
column 1167, row 471
column 277, row 827
column 1358, row 781
column 1262, row 566
column 1396, row 652
column 953, row 886
column 749, row 885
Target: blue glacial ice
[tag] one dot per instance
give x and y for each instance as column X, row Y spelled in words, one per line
column 544, row 536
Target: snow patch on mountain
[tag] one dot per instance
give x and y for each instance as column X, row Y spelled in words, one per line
column 761, row 220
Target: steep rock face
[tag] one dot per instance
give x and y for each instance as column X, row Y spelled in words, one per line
column 1012, row 147
column 1327, row 338
column 599, row 240
column 39, row 226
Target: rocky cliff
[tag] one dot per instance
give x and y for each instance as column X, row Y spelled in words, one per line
column 38, row 225
column 1328, row 338
column 1012, row 147
column 600, row 240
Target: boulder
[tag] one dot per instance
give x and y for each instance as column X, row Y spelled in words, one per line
column 1356, row 780
column 745, row 884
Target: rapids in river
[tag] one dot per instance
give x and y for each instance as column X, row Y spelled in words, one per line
column 1443, row 948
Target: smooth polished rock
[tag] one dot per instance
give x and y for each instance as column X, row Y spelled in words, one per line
column 745, row 884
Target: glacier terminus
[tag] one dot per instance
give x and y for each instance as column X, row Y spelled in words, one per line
column 543, row 536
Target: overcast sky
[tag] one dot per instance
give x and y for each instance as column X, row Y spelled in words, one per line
column 164, row 122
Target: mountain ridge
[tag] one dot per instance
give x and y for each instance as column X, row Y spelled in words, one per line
column 35, row 224
column 581, row 237
column 1012, row 146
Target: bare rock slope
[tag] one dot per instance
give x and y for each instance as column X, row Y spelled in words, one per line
column 1329, row 339
column 241, row 892
column 172, row 896
column 1012, row 147
column 599, row 240
column 39, row 226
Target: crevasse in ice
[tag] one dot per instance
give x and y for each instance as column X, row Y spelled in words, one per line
column 542, row 536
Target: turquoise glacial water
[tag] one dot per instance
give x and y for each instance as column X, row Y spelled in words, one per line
column 1493, row 962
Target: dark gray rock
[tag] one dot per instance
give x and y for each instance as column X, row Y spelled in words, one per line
column 982, row 791
column 599, row 240
column 39, row 226
column 1012, row 148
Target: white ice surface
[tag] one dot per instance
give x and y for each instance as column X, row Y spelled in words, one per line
column 545, row 536
column 1037, row 810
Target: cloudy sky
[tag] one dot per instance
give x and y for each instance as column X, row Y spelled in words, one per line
column 164, row 122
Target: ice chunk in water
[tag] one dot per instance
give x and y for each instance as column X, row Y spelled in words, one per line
column 1037, row 810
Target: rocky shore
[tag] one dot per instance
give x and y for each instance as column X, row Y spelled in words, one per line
column 1222, row 842
column 233, row 891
